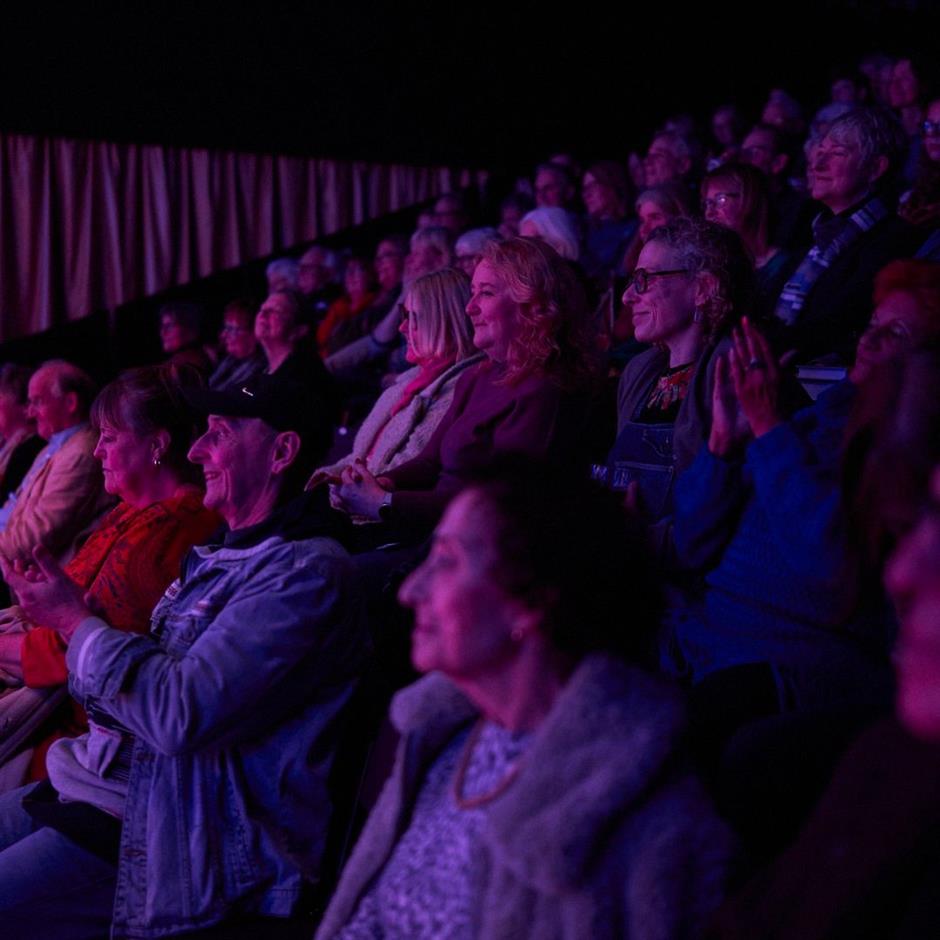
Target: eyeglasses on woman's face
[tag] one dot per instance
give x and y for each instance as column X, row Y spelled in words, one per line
column 640, row 279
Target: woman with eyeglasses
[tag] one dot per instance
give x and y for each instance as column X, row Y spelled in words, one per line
column 244, row 358
column 737, row 196
column 921, row 205
column 691, row 281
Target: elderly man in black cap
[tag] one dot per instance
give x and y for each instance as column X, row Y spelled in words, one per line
column 200, row 792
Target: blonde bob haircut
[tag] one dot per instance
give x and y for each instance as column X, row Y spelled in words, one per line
column 437, row 306
column 555, row 337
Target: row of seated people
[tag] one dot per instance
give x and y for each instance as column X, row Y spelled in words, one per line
column 540, row 786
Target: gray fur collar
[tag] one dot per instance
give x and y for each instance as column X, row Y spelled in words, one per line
column 599, row 753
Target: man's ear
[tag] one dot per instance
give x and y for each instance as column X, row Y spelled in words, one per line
column 71, row 402
column 286, row 449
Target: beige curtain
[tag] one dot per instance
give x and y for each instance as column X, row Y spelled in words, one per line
column 86, row 226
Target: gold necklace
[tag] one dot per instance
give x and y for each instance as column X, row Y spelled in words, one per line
column 459, row 778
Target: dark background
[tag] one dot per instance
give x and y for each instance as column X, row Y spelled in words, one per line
column 482, row 84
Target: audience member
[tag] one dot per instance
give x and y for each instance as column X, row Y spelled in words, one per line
column 244, row 359
column 317, row 276
column 668, row 160
column 450, row 212
column 554, row 187
column 351, row 315
column 511, row 211
column 439, row 349
column 692, row 281
column 555, row 227
column 180, row 335
column 19, row 442
column 282, row 274
column 607, row 230
column 530, row 318
column 539, row 788
column 469, row 248
column 736, row 195
column 62, row 494
column 144, row 431
column 201, row 789
column 855, row 235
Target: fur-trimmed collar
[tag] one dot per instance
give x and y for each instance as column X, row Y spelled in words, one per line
column 604, row 746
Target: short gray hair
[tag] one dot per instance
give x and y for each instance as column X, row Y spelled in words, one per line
column 877, row 132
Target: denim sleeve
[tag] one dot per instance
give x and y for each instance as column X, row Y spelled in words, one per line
column 289, row 611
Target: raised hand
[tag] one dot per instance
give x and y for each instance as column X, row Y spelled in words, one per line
column 730, row 430
column 756, row 377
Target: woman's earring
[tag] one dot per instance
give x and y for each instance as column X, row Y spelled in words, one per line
column 156, row 458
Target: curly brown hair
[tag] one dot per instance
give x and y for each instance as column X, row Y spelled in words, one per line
column 555, row 337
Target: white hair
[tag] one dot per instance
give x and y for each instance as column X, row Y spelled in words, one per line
column 556, row 228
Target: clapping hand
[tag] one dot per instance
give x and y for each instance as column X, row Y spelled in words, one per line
column 46, row 593
column 755, row 373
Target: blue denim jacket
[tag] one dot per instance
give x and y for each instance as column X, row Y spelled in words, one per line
column 233, row 700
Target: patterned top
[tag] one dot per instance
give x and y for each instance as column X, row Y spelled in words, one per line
column 425, row 890
column 662, row 407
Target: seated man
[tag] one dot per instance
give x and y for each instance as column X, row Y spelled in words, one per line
column 823, row 308
column 63, row 492
column 201, row 789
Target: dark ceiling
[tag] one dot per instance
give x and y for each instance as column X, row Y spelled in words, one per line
column 479, row 83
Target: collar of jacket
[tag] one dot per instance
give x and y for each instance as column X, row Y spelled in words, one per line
column 607, row 743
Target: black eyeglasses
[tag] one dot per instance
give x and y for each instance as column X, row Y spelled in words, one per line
column 640, row 279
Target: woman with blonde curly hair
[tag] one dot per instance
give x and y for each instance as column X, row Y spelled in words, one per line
column 530, row 394
column 692, row 280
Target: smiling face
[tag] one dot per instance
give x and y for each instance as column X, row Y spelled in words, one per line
column 912, row 576
column 276, row 322
column 463, row 619
column 897, row 324
column 127, row 462
column 664, row 313
column 493, row 313
column 839, row 178
column 236, row 457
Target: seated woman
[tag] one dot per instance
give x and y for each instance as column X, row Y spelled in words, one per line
column 531, row 393
column 180, row 336
column 865, row 864
column 244, row 359
column 440, row 347
column 145, row 429
column 691, row 282
column 283, row 332
column 761, row 511
column 19, row 442
column 737, row 196
column 347, row 318
column 539, row 788
column 655, row 207
column 608, row 230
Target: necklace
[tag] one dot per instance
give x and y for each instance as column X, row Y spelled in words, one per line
column 460, row 777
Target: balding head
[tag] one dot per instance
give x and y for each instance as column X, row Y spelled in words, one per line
column 60, row 396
